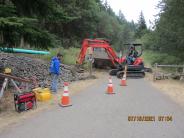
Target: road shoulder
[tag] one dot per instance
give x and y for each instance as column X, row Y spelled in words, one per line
column 10, row 116
column 172, row 88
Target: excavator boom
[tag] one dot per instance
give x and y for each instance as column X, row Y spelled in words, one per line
column 97, row 43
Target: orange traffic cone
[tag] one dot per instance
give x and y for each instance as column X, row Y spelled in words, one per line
column 123, row 80
column 65, row 100
column 110, row 87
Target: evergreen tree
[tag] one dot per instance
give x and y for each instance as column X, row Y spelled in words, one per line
column 47, row 23
column 167, row 38
column 121, row 17
column 170, row 25
column 141, row 26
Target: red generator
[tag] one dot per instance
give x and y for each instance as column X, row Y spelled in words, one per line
column 24, row 101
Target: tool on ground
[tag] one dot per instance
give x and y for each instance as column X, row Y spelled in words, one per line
column 123, row 79
column 24, row 101
column 110, row 87
column 65, row 100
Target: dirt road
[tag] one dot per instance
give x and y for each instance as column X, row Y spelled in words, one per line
column 95, row 114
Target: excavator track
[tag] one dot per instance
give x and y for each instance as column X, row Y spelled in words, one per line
column 113, row 72
column 131, row 74
column 133, row 71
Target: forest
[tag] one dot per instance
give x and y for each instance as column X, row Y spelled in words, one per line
column 44, row 24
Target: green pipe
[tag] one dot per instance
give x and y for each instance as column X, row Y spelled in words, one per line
column 27, row 51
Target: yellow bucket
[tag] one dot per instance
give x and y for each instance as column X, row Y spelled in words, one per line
column 42, row 94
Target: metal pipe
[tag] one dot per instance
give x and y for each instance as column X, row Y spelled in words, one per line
column 173, row 66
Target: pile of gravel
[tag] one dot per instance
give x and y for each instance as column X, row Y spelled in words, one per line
column 26, row 67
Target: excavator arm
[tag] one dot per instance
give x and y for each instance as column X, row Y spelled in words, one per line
column 97, row 43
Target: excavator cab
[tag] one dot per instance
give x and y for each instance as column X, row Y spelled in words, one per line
column 134, row 61
column 135, row 46
column 134, row 52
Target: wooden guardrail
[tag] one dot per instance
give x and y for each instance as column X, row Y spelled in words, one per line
column 7, row 77
column 157, row 74
column 15, row 78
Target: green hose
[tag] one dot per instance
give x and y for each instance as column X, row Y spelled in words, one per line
column 26, row 51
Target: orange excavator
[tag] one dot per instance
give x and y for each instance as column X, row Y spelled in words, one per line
column 97, row 45
column 135, row 68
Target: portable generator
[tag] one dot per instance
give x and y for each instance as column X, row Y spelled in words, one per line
column 24, row 101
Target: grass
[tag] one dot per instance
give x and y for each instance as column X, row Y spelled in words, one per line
column 152, row 57
column 69, row 55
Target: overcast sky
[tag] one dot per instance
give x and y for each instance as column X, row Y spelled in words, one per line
column 132, row 8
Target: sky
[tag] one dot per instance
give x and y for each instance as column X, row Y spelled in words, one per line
column 132, row 8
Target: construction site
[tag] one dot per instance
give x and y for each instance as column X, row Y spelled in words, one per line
column 91, row 69
column 26, row 81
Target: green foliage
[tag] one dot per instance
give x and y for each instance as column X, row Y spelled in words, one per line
column 7, row 10
column 53, row 52
column 69, row 55
column 55, row 23
column 168, row 35
column 160, row 58
column 170, row 25
column 38, row 8
column 141, row 26
column 121, row 17
column 16, row 27
column 27, row 19
column 10, row 22
column 115, row 28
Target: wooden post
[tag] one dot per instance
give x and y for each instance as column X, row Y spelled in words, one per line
column 155, row 72
column 90, row 64
column 14, row 78
column 181, row 78
column 176, row 70
column 90, row 68
column 90, row 59
column 125, row 70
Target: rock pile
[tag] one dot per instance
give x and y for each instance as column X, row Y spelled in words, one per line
column 26, row 67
